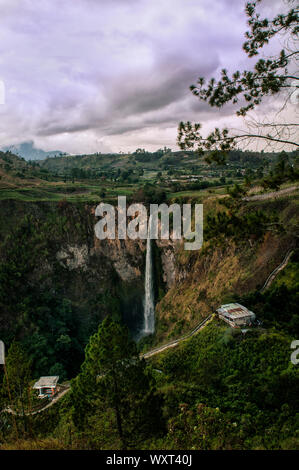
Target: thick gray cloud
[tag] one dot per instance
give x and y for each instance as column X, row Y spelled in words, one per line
column 112, row 75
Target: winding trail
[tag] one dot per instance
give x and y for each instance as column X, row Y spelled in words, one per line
column 52, row 402
column 279, row 268
column 175, row 342
column 272, row 195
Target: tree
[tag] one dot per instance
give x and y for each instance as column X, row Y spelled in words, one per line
column 269, row 77
column 17, row 379
column 113, row 372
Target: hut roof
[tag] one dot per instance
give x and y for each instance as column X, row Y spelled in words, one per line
column 48, row 381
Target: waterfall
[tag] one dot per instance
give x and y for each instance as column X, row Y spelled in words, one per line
column 149, row 308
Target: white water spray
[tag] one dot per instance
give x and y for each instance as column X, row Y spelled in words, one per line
column 149, row 308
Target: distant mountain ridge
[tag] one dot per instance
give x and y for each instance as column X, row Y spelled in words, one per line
column 28, row 151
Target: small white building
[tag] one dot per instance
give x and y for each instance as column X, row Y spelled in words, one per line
column 46, row 386
column 236, row 315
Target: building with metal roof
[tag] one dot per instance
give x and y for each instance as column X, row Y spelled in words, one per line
column 46, row 386
column 236, row 315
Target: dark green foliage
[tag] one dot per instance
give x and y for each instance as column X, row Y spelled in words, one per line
column 18, row 368
column 53, row 343
column 39, row 305
column 239, row 226
column 42, row 318
column 149, row 194
column 16, row 390
column 248, row 377
column 141, row 155
column 283, row 171
column 45, row 321
column 113, row 374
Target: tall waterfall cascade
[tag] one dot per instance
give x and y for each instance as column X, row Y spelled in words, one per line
column 149, row 307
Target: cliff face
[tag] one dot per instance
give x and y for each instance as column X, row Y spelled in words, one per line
column 98, row 277
column 169, row 267
column 109, row 269
column 117, row 267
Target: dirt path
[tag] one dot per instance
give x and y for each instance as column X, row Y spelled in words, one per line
column 273, row 195
column 279, row 268
column 174, row 343
column 55, row 399
column 52, row 402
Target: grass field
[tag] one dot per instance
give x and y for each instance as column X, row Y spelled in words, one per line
column 71, row 192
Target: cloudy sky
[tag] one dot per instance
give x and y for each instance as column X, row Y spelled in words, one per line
column 114, row 75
